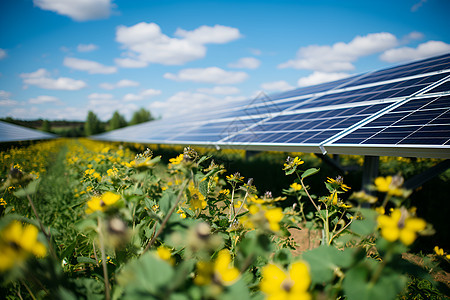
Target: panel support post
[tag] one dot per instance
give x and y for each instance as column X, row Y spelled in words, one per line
column 370, row 172
column 420, row 179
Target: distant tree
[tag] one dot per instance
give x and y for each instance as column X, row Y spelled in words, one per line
column 46, row 126
column 93, row 125
column 117, row 121
column 141, row 116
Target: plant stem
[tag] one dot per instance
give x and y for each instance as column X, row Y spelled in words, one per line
column 309, row 196
column 242, row 205
column 102, row 250
column 340, row 230
column 380, row 268
column 28, row 289
column 166, row 219
column 47, row 235
column 326, row 227
column 232, row 214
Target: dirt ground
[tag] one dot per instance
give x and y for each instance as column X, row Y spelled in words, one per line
column 307, row 239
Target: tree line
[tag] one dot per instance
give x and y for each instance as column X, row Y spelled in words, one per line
column 92, row 125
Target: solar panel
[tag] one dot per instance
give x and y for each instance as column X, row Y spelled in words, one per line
column 13, row 133
column 403, row 110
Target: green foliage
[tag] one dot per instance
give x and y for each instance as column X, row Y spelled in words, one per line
column 117, row 225
column 93, row 125
column 141, row 116
column 117, row 121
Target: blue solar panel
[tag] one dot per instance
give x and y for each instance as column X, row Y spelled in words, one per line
column 402, row 105
column 11, row 133
column 421, row 120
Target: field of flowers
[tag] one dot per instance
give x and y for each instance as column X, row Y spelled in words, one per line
column 82, row 219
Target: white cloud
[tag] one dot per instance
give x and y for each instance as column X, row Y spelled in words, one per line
column 41, row 78
column 142, row 95
column 25, row 113
column 5, row 99
column 416, row 6
column 130, row 63
column 246, row 63
column 208, row 75
column 92, row 67
column 320, row 77
column 210, row 35
column 220, row 90
column 428, row 49
column 2, row 53
column 147, row 44
column 79, row 10
column 255, row 51
column 100, row 96
column 4, row 94
column 339, row 57
column 8, row 102
column 44, row 99
column 119, row 84
column 277, row 86
column 104, row 106
column 412, row 36
column 86, row 47
column 189, row 102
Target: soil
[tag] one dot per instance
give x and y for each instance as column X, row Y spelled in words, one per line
column 309, row 239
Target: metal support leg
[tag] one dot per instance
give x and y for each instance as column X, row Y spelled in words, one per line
column 370, row 172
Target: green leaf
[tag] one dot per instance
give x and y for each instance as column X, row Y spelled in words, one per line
column 357, row 284
column 324, row 260
column 148, row 274
column 30, row 189
column 167, row 201
column 86, row 260
column 363, row 227
column 203, row 158
column 237, row 291
column 203, row 188
column 310, row 172
column 282, row 257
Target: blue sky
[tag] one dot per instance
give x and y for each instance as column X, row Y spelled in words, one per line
column 61, row 58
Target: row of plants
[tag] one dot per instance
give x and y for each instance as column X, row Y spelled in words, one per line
column 107, row 224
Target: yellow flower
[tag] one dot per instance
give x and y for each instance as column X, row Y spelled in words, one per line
column 363, row 197
column 236, row 177
column 204, row 273
column 390, row 185
column 181, row 213
column 438, row 251
column 292, row 162
column 338, row 182
column 296, row 187
column 2, row 202
column 400, row 226
column 225, row 192
column 165, row 254
column 101, row 203
column 197, row 199
column 380, row 210
column 223, row 268
column 274, row 217
column 279, row 285
column 177, row 160
column 333, row 198
column 17, row 242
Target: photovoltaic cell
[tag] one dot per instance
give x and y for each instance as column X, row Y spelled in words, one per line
column 419, row 121
column 398, row 107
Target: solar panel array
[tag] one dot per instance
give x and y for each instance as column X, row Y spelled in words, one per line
column 14, row 133
column 401, row 111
